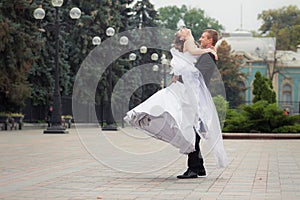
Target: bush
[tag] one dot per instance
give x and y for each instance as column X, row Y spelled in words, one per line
column 259, row 117
column 221, row 107
column 236, row 122
column 287, row 129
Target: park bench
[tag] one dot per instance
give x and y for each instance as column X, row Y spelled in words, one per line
column 4, row 121
column 67, row 121
column 15, row 122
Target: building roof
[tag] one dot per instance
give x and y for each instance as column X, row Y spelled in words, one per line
column 288, row 58
column 260, row 48
column 243, row 41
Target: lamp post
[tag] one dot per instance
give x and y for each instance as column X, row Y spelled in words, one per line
column 39, row 13
column 164, row 62
column 110, row 31
column 110, row 123
column 143, row 50
column 154, row 57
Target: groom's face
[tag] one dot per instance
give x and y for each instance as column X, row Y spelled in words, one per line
column 205, row 42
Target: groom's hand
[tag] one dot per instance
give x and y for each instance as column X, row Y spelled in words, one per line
column 175, row 78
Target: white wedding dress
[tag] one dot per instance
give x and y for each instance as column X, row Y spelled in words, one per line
column 174, row 113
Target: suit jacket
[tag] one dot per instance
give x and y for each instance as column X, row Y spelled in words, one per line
column 206, row 64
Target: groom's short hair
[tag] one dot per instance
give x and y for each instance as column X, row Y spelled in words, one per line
column 212, row 34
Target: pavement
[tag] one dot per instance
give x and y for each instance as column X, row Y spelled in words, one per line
column 88, row 163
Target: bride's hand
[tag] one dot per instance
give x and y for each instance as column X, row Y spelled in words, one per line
column 214, row 48
column 214, row 52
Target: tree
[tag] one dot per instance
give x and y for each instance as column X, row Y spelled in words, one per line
column 41, row 75
column 75, row 42
column 229, row 67
column 19, row 49
column 263, row 89
column 194, row 19
column 41, row 79
column 169, row 16
column 283, row 24
column 144, row 15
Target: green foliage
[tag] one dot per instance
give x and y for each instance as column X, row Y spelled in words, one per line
column 282, row 23
column 170, row 15
column 41, row 79
column 258, row 117
column 121, row 17
column 75, row 43
column 18, row 51
column 221, row 106
column 196, row 20
column 9, row 114
column 193, row 18
column 144, row 15
column 236, row 122
column 288, row 129
column 96, row 18
column 229, row 67
column 263, row 89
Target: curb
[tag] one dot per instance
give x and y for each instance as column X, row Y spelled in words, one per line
column 263, row 136
column 238, row 136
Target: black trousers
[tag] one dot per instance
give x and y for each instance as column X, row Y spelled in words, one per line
column 195, row 159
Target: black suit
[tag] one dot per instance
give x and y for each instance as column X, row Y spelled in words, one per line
column 206, row 64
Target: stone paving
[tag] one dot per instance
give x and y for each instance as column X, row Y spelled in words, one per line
column 88, row 163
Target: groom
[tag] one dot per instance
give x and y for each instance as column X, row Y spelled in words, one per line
column 206, row 65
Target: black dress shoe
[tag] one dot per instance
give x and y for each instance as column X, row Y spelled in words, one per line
column 202, row 173
column 188, row 174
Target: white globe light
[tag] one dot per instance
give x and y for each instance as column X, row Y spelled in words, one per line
column 164, row 61
column 96, row 40
column 124, row 40
column 110, row 31
column 75, row 13
column 155, row 68
column 154, row 56
column 132, row 56
column 57, row 3
column 143, row 49
column 39, row 13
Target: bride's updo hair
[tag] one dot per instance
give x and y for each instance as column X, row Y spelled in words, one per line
column 178, row 42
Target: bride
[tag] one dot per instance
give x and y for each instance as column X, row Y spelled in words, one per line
column 174, row 113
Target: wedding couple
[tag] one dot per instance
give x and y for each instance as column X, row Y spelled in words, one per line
column 184, row 113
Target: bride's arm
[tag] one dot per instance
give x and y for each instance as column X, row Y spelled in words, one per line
column 190, row 46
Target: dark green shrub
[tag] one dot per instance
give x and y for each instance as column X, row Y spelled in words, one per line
column 259, row 117
column 236, row 122
column 287, row 129
column 221, row 106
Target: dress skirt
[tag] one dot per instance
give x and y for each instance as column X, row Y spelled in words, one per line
column 166, row 116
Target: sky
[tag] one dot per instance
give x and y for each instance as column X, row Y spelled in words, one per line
column 230, row 13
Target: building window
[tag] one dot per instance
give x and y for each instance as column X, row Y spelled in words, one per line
column 243, row 94
column 287, row 94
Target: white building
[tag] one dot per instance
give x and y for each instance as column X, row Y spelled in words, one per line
column 283, row 67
